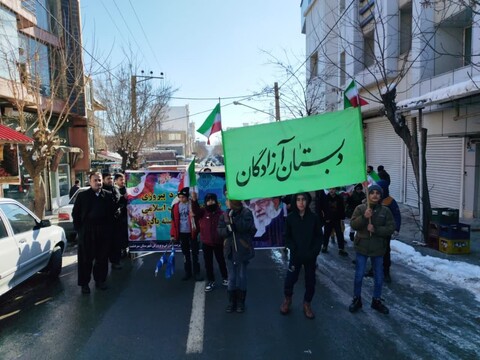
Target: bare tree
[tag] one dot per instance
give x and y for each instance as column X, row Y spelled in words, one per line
column 46, row 85
column 374, row 50
column 133, row 108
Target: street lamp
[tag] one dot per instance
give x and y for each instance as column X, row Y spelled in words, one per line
column 251, row 107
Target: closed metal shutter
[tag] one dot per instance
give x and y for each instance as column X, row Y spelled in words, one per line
column 385, row 147
column 444, row 173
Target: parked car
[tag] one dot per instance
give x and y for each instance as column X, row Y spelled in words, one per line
column 65, row 219
column 27, row 245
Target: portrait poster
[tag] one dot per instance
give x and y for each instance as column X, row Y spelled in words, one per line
column 150, row 196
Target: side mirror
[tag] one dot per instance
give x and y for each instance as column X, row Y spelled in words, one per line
column 45, row 223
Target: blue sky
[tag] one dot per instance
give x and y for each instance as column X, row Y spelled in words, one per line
column 207, row 49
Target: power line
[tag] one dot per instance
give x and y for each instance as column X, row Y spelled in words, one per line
column 75, row 40
column 144, row 34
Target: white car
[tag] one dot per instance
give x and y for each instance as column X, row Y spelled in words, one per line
column 65, row 219
column 27, row 245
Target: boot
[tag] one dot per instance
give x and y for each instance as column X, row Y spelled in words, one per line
column 285, row 307
column 356, row 304
column 378, row 305
column 307, row 310
column 241, row 295
column 232, row 301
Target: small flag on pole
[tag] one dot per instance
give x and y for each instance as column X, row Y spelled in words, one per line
column 189, row 179
column 351, row 97
column 212, row 124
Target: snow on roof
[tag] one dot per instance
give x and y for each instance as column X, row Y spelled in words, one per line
column 449, row 93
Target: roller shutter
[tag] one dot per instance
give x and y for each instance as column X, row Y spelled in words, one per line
column 385, row 147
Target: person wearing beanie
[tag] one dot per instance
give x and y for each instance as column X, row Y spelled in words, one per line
column 212, row 244
column 303, row 237
column 184, row 229
column 374, row 225
column 237, row 227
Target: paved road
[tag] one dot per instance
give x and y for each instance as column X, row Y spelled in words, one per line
column 143, row 317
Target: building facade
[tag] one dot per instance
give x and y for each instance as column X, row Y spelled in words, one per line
column 42, row 77
column 426, row 50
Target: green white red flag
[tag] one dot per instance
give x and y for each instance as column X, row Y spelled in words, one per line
column 212, row 124
column 351, row 97
column 189, row 179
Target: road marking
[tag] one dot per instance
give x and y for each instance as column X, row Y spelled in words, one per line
column 197, row 320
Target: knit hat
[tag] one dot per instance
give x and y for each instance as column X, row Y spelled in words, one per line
column 375, row 187
column 211, row 196
column 185, row 192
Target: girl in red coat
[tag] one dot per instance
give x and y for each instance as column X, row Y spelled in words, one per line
column 207, row 217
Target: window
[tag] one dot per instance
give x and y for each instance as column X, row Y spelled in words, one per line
column 314, row 65
column 3, row 231
column 368, row 49
column 174, row 136
column 405, row 28
column 20, row 220
column 467, row 46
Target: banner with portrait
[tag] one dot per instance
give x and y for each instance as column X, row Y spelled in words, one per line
column 151, row 195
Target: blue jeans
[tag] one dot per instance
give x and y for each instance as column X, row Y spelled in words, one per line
column 377, row 264
column 237, row 275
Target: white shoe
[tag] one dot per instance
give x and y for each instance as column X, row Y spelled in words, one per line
column 210, row 286
column 225, row 282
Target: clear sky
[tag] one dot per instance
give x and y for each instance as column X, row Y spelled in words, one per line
column 206, row 49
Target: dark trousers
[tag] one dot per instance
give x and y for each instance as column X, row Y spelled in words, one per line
column 190, row 253
column 93, row 250
column 292, row 277
column 208, row 252
column 337, row 226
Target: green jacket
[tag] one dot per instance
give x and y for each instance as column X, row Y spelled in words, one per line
column 372, row 244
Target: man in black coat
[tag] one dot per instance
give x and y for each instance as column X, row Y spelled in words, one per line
column 93, row 215
column 115, row 248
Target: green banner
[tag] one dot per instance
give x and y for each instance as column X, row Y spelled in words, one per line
column 287, row 157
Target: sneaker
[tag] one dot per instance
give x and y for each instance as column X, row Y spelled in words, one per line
column 225, row 282
column 378, row 305
column 356, row 304
column 369, row 273
column 324, row 249
column 342, row 252
column 210, row 286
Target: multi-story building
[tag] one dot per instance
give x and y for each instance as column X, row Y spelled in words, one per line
column 429, row 51
column 35, row 37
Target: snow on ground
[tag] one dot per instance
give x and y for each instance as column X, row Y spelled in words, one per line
column 461, row 274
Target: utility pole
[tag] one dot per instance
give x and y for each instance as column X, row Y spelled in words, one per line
column 277, row 102
column 133, row 94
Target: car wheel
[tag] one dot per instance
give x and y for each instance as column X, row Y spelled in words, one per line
column 54, row 267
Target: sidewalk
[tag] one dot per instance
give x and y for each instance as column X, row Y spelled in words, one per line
column 410, row 234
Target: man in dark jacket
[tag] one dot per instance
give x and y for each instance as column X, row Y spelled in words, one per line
column 122, row 220
column 303, row 237
column 383, row 174
column 74, row 189
column 93, row 214
column 333, row 208
column 374, row 225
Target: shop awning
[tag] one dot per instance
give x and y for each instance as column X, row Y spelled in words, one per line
column 109, row 155
column 8, row 135
column 442, row 95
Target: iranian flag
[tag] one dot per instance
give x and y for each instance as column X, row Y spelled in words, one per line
column 189, row 179
column 372, row 178
column 351, row 97
column 212, row 124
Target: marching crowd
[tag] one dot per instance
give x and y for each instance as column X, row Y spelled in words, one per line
column 100, row 220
